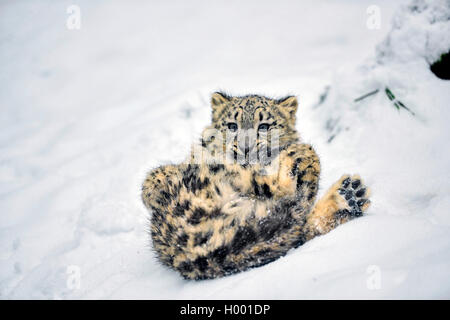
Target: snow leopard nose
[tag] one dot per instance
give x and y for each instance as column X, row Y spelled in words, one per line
column 246, row 143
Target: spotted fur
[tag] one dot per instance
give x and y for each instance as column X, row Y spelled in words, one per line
column 212, row 218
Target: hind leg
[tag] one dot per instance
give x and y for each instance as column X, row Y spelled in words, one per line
column 344, row 201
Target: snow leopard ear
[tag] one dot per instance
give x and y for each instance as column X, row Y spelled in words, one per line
column 288, row 105
column 219, row 98
column 219, row 101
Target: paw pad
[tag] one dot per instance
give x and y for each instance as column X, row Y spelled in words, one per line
column 356, row 195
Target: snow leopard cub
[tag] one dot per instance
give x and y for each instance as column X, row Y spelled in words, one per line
column 239, row 203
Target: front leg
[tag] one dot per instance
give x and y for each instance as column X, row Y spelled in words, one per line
column 159, row 186
column 297, row 175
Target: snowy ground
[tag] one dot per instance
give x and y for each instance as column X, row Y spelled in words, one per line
column 85, row 113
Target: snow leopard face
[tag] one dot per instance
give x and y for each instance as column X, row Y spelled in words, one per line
column 252, row 128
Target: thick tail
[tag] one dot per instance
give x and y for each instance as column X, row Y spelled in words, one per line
column 260, row 232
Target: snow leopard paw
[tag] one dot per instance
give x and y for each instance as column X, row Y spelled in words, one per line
column 355, row 194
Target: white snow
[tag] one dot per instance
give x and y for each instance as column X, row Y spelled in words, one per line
column 86, row 113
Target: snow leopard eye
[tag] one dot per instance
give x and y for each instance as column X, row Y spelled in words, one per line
column 263, row 127
column 232, row 127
